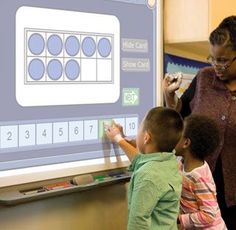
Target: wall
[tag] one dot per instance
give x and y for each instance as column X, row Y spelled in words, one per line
column 220, row 9
column 103, row 208
column 186, row 34
column 181, row 24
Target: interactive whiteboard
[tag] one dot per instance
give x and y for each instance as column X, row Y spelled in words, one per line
column 67, row 68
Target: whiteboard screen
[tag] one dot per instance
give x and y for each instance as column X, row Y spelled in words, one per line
column 67, row 68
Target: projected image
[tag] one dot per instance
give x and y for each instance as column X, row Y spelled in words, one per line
column 69, row 68
column 72, row 63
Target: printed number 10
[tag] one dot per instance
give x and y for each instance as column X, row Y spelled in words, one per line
column 132, row 125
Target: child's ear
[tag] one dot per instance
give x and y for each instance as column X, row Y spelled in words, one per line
column 187, row 143
column 147, row 137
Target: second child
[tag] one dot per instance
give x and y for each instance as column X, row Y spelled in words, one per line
column 198, row 206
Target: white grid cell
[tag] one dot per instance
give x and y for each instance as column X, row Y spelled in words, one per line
column 104, row 70
column 72, row 45
column 9, row 136
column 60, row 132
column 36, row 43
column 26, row 135
column 44, row 133
column 104, row 47
column 72, row 69
column 54, row 69
column 88, row 70
column 91, row 130
column 36, row 69
column 88, row 46
column 131, row 126
column 76, row 131
column 54, row 44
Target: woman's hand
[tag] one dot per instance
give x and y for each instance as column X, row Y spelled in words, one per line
column 171, row 83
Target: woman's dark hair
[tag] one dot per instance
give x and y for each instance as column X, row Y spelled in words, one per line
column 165, row 126
column 225, row 33
column 203, row 133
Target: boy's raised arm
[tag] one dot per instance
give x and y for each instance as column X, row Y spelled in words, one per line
column 114, row 133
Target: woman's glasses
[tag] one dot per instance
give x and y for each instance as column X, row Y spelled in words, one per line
column 222, row 64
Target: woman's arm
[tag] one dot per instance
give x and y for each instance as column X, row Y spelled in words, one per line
column 182, row 104
column 187, row 97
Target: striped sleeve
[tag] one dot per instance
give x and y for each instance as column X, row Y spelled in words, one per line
column 207, row 206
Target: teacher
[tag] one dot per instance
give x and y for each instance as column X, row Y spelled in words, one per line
column 213, row 93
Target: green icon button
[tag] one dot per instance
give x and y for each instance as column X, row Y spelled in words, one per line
column 130, row 96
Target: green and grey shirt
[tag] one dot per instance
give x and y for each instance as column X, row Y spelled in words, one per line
column 154, row 192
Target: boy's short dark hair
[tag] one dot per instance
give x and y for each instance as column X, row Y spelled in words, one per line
column 203, row 133
column 165, row 126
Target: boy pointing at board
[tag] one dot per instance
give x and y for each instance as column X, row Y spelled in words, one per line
column 155, row 186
